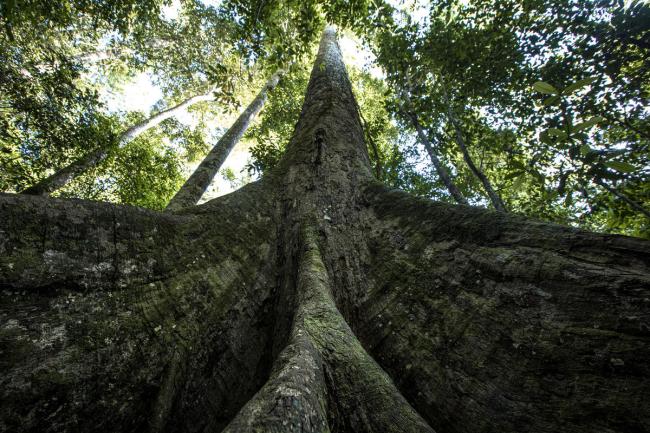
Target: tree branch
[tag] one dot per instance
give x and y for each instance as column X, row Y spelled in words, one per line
column 634, row 205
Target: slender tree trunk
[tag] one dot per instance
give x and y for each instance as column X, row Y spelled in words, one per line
column 634, row 205
column 441, row 170
column 193, row 189
column 495, row 198
column 66, row 174
column 101, row 55
column 317, row 300
column 155, row 120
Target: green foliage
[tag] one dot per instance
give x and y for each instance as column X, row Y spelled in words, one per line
column 488, row 62
column 272, row 132
column 595, row 150
column 281, row 32
column 233, row 179
column 112, row 14
column 387, row 157
column 52, row 114
column 45, row 113
column 543, row 87
column 146, row 172
column 284, row 32
column 549, row 96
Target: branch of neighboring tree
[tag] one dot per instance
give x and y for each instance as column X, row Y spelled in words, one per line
column 623, row 197
column 496, row 200
column 625, row 123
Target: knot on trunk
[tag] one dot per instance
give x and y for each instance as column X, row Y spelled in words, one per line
column 320, row 139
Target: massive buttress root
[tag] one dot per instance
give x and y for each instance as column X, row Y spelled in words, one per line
column 317, row 300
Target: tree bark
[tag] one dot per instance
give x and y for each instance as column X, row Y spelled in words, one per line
column 494, row 197
column 66, row 174
column 317, row 300
column 193, row 189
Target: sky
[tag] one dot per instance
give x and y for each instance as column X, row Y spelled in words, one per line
column 141, row 94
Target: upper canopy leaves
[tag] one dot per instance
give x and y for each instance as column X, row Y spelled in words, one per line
column 549, row 96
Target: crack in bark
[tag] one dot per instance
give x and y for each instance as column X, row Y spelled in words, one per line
column 261, row 309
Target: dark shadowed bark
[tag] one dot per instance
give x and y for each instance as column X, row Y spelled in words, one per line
column 317, row 300
column 193, row 189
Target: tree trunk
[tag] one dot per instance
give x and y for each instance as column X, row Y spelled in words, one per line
column 65, row 175
column 193, row 189
column 441, row 170
column 317, row 300
column 494, row 197
column 155, row 120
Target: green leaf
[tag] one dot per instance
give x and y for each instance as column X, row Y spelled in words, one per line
column 552, row 194
column 554, row 132
column 544, row 137
column 578, row 84
column 543, row 87
column 585, row 150
column 588, row 124
column 513, row 175
column 518, row 183
column 550, row 100
column 517, row 164
column 538, row 175
column 623, row 167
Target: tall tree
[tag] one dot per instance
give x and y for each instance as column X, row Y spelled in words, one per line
column 63, row 176
column 56, row 74
column 317, row 300
column 489, row 55
column 441, row 170
column 193, row 189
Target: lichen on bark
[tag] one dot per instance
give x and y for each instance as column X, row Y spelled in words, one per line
column 317, row 300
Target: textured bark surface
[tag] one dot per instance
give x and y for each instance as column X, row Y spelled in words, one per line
column 495, row 323
column 317, row 300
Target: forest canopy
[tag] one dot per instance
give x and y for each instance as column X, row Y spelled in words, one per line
column 533, row 107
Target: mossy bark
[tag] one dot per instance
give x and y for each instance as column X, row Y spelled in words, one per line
column 317, row 300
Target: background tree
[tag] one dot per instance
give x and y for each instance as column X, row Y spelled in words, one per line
column 317, row 299
column 36, row 147
column 194, row 188
column 470, row 69
column 487, row 57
